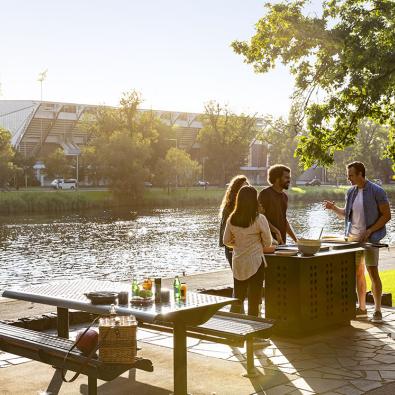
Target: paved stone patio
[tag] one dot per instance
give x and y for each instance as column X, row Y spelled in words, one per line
column 350, row 361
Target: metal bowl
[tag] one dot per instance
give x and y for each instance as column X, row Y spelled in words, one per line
column 309, row 247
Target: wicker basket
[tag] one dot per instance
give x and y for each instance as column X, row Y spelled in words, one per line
column 117, row 344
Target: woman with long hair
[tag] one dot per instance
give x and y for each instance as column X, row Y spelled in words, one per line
column 248, row 233
column 227, row 206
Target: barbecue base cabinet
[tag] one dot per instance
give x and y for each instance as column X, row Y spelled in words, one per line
column 306, row 295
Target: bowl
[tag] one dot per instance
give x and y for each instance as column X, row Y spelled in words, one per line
column 309, row 247
column 102, row 297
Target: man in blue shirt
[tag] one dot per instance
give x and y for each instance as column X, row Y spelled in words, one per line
column 365, row 214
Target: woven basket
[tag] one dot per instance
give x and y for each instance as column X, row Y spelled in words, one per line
column 117, row 344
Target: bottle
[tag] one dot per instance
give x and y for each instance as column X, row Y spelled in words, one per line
column 177, row 288
column 135, row 287
column 158, row 286
column 183, row 291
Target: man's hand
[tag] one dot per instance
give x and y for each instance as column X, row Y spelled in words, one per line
column 328, row 205
column 365, row 236
column 279, row 238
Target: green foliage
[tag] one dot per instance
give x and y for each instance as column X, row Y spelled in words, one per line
column 181, row 167
column 7, row 168
column 119, row 148
column 24, row 170
column 346, row 55
column 123, row 157
column 225, row 139
column 57, row 165
column 51, row 202
column 282, row 137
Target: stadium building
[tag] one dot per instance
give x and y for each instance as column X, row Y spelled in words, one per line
column 38, row 127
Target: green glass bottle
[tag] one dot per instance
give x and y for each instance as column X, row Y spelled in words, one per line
column 135, row 287
column 177, row 288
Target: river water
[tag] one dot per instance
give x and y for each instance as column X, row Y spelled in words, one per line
column 114, row 246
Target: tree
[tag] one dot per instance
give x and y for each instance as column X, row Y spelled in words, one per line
column 179, row 165
column 122, row 158
column 119, row 147
column 346, row 55
column 161, row 137
column 369, row 148
column 7, row 168
column 57, row 165
column 225, row 139
column 24, row 174
column 282, row 137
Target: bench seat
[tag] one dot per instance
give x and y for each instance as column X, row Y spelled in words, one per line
column 52, row 349
column 227, row 328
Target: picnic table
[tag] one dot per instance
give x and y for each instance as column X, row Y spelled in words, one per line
column 65, row 295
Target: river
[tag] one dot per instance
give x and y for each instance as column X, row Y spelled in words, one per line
column 114, row 246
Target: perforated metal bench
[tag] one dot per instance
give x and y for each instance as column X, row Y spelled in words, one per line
column 51, row 350
column 227, row 328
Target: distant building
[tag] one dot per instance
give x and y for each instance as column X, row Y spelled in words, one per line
column 38, row 127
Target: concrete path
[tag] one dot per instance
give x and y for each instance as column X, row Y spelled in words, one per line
column 351, row 360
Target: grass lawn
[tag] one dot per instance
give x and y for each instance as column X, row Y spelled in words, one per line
column 388, row 280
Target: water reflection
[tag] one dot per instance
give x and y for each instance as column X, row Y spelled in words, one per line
column 113, row 246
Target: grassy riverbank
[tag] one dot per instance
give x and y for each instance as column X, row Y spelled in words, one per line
column 48, row 201
column 52, row 201
column 388, row 281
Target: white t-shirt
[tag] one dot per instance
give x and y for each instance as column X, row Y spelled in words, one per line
column 358, row 225
column 247, row 244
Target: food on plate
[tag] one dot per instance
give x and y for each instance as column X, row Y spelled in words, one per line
column 145, row 293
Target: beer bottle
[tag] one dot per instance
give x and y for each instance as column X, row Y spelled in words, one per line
column 177, row 288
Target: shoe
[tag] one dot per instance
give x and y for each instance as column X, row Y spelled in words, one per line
column 359, row 313
column 377, row 317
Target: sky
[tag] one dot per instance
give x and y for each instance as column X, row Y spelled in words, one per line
column 176, row 53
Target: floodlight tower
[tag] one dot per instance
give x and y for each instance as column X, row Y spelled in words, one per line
column 41, row 78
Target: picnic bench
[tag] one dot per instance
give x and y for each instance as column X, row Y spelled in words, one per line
column 52, row 350
column 232, row 329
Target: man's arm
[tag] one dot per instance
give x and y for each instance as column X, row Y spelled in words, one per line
column 385, row 216
column 290, row 232
column 329, row 205
column 277, row 233
column 273, row 229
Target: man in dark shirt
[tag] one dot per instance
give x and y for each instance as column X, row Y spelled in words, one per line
column 274, row 203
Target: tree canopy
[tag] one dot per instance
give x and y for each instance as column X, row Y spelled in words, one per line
column 346, row 55
column 225, row 139
column 119, row 147
column 7, row 168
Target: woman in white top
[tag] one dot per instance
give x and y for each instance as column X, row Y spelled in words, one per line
column 248, row 233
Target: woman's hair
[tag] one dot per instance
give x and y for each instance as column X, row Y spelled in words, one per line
column 246, row 210
column 229, row 198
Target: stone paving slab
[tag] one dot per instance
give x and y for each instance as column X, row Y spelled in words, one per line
column 349, row 360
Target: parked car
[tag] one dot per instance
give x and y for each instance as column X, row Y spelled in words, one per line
column 202, row 183
column 61, row 183
column 377, row 181
column 148, row 184
column 315, row 182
